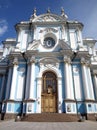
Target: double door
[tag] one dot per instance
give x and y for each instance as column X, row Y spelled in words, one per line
column 49, row 103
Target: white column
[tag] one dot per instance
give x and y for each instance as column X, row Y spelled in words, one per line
column 28, row 82
column 71, row 82
column 14, row 80
column 85, row 81
column 90, row 84
column 95, row 84
column 39, row 84
column 67, row 89
column 60, row 95
column 2, row 87
column 8, row 82
column 32, row 80
column 68, row 80
column 19, row 95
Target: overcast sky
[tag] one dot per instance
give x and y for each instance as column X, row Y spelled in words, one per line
column 14, row 11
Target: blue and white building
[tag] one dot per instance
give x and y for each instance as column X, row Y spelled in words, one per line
column 49, row 67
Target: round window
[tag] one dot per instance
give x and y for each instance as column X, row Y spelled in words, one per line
column 49, row 42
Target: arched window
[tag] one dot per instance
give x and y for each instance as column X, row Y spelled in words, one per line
column 49, row 80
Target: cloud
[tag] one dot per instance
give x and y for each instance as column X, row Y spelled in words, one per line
column 3, row 27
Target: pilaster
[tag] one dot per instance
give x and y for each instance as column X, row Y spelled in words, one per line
column 88, row 86
column 69, row 93
column 32, row 79
column 39, row 84
column 60, row 95
column 90, row 82
column 87, row 81
column 28, row 80
column 70, row 104
column 95, row 84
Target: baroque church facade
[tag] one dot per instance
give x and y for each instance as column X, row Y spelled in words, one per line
column 49, row 68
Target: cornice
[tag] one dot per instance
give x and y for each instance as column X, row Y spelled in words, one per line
column 75, row 24
column 84, row 54
column 66, row 52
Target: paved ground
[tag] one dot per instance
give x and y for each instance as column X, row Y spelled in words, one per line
column 11, row 125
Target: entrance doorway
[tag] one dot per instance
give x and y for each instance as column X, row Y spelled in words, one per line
column 49, row 92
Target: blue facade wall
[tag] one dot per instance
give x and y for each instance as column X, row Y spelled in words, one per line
column 17, row 107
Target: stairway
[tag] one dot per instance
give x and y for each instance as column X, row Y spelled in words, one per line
column 50, row 117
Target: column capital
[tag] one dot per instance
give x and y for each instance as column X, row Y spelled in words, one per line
column 15, row 61
column 88, row 63
column 67, row 60
column 32, row 59
column 94, row 72
column 85, row 62
column 28, row 62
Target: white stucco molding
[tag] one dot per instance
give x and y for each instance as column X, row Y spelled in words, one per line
column 49, row 62
column 48, row 17
column 44, row 66
column 34, row 45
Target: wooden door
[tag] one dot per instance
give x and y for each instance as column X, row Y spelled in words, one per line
column 49, row 103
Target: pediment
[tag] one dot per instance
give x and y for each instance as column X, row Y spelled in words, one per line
column 62, row 45
column 49, row 18
column 34, row 45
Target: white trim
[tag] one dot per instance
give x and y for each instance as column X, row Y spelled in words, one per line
column 12, row 108
column 59, row 82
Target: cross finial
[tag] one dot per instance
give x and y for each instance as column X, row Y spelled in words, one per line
column 34, row 11
column 62, row 11
column 48, row 10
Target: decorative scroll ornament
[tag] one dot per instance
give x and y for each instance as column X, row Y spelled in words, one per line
column 49, row 18
column 33, row 45
column 49, row 30
column 49, row 63
column 67, row 59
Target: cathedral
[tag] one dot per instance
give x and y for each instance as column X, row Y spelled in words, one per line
column 48, row 68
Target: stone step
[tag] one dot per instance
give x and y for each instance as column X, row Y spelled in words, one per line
column 50, row 117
